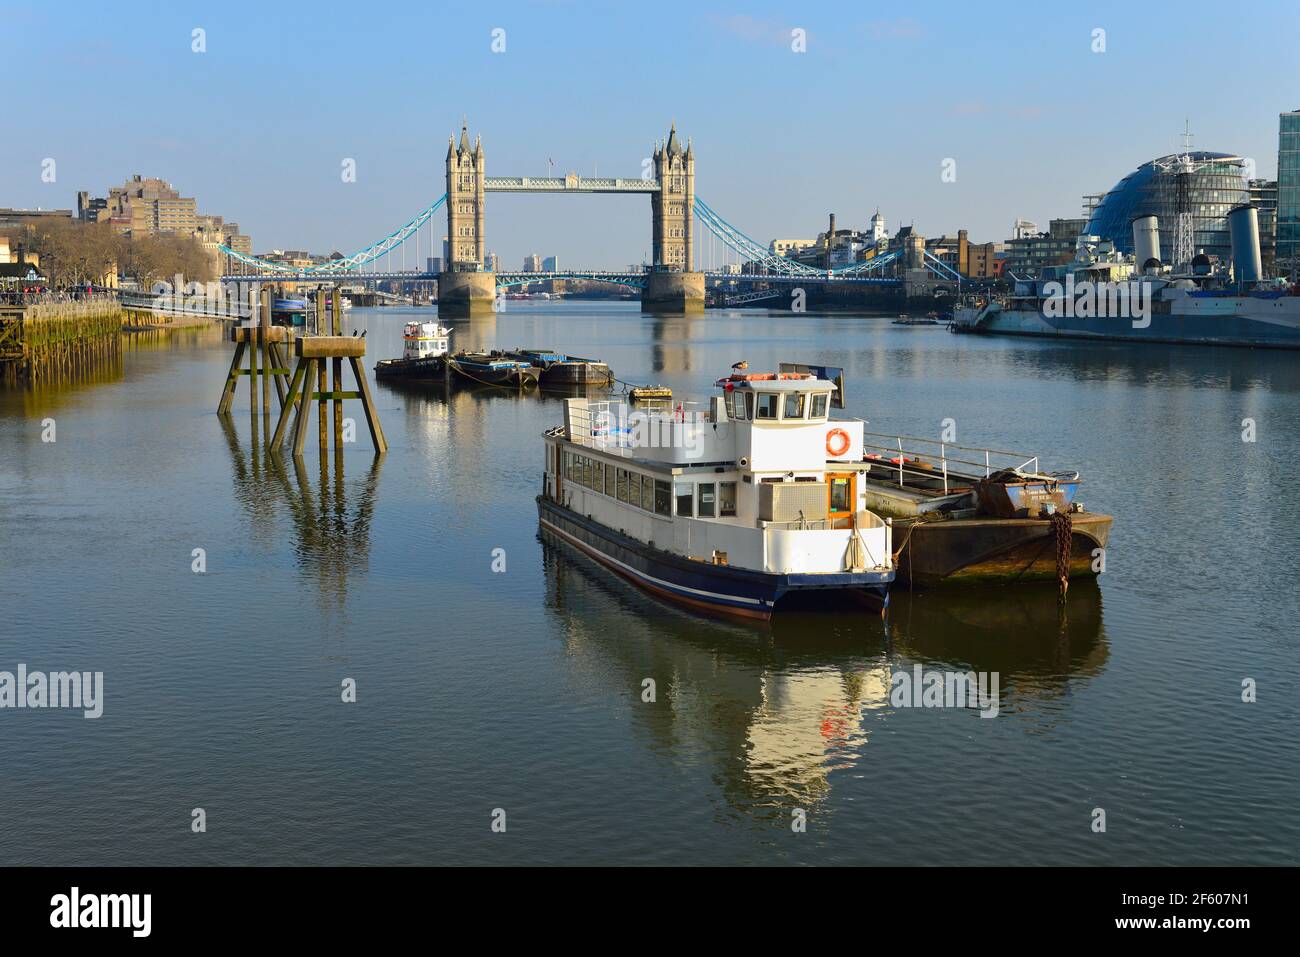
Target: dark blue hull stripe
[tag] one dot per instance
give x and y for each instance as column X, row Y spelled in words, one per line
column 753, row 593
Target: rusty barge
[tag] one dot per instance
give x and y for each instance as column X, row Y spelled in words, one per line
column 971, row 515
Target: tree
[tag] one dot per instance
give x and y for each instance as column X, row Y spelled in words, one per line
column 161, row 256
column 73, row 252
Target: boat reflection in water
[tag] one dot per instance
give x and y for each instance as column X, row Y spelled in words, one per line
column 774, row 713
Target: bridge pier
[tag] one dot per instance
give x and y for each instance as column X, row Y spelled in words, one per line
column 673, row 292
column 463, row 295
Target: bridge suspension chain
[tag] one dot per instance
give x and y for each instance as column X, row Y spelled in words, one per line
column 367, row 255
column 752, row 250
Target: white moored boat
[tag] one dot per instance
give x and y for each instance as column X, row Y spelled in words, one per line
column 424, row 348
column 730, row 508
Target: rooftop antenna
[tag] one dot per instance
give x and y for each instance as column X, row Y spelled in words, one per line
column 1187, row 134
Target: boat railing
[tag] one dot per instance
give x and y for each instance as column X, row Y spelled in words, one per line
column 898, row 454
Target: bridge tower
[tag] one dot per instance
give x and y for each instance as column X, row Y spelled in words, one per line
column 465, row 288
column 671, row 284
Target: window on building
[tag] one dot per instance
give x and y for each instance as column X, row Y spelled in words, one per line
column 685, row 494
column 622, row 485
column 766, row 405
column 727, row 499
column 794, row 405
column 663, row 497
column 708, row 499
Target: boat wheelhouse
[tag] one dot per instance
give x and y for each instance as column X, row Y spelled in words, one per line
column 729, row 508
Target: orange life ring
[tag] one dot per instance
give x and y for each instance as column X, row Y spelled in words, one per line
column 842, row 442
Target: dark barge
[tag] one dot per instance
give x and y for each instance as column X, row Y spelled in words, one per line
column 558, row 368
column 463, row 368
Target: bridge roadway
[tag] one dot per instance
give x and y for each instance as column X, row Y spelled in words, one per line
column 516, row 278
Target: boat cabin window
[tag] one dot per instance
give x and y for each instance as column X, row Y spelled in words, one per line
column 598, row 476
column 609, row 480
column 622, row 485
column 647, row 493
column 634, row 488
column 663, row 497
column 749, row 405
column 794, row 405
column 685, row 495
column 707, row 499
column 727, row 499
column 766, row 405
column 736, row 405
column 819, row 403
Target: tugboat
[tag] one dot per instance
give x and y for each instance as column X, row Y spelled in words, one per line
column 737, row 509
column 424, row 348
column 557, row 368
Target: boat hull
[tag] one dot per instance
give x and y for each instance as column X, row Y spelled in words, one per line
column 713, row 589
column 428, row 368
column 995, row 550
column 577, row 373
column 1251, row 326
column 437, row 369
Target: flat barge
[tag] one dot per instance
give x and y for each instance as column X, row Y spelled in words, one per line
column 561, row 369
column 969, row 515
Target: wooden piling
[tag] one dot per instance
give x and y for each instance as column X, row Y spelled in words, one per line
column 265, row 329
column 313, row 352
column 257, row 336
column 336, row 329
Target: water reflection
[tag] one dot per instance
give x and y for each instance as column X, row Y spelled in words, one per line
column 673, row 351
column 43, row 385
column 330, row 517
column 776, row 712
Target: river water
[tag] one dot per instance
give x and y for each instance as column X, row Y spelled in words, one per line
column 522, row 690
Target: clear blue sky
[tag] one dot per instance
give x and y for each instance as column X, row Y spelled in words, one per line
column 257, row 127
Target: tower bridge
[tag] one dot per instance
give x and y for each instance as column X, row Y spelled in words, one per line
column 671, row 282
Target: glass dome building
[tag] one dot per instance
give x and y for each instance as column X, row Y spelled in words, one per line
column 1216, row 184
